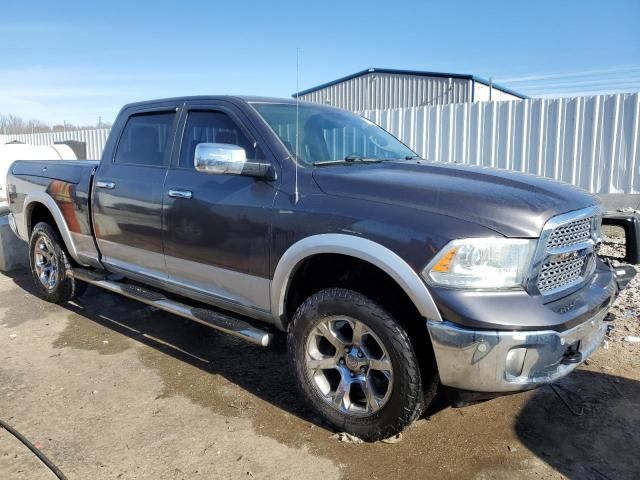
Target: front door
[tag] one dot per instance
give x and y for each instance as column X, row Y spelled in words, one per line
column 217, row 226
column 128, row 191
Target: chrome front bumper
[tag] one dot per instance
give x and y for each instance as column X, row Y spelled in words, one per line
column 496, row 361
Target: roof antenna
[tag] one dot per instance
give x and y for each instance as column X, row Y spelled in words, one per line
column 297, row 194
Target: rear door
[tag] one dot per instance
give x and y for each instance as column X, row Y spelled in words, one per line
column 128, row 192
column 217, row 226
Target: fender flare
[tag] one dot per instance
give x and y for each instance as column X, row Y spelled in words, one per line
column 357, row 247
column 56, row 213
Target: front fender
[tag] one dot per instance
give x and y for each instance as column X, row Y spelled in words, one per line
column 357, row 247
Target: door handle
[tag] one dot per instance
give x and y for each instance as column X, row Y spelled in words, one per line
column 180, row 194
column 107, row 185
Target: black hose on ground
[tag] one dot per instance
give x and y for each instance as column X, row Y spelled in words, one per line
column 31, row 447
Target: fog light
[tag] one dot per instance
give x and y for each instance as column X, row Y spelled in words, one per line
column 515, row 362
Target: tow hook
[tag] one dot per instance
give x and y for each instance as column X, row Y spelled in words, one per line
column 572, row 355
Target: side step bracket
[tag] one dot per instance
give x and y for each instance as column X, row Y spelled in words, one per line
column 219, row 321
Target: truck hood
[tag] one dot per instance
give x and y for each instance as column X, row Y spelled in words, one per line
column 512, row 204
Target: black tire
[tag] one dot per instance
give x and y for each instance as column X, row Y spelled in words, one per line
column 406, row 401
column 63, row 287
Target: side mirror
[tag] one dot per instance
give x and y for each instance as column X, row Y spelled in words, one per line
column 226, row 159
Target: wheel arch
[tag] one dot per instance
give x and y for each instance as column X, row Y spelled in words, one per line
column 359, row 248
column 36, row 201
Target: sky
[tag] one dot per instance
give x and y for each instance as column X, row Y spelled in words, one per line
column 78, row 61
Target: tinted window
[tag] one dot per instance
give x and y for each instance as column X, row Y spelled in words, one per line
column 329, row 134
column 212, row 127
column 145, row 140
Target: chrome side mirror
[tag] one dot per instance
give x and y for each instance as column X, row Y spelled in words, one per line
column 226, row 159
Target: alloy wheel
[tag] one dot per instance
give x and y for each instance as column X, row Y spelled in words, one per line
column 349, row 366
column 46, row 263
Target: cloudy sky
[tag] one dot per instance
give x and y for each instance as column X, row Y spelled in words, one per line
column 78, row 61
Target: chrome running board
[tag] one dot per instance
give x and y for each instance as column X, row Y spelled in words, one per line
column 219, row 321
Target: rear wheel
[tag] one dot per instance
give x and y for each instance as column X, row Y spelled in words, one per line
column 355, row 364
column 50, row 266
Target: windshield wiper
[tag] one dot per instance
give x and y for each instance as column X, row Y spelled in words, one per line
column 361, row 158
column 349, row 159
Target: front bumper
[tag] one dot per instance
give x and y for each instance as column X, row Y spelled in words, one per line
column 495, row 361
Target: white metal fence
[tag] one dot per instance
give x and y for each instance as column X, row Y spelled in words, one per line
column 95, row 139
column 590, row 142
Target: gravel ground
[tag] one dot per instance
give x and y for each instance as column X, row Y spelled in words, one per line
column 626, row 310
column 112, row 389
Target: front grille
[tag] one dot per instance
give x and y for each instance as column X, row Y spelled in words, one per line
column 554, row 275
column 573, row 233
column 564, row 258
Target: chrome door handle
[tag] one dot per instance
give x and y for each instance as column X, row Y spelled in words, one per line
column 107, row 185
column 180, row 194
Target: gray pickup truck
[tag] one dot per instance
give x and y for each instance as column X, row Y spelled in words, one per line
column 391, row 275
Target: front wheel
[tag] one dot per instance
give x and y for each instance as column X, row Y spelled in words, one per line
column 355, row 364
column 50, row 266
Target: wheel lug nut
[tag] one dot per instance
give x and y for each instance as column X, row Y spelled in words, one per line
column 360, row 355
column 342, row 361
column 346, row 349
column 363, row 369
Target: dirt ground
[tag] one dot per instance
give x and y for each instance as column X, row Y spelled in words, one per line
column 112, row 389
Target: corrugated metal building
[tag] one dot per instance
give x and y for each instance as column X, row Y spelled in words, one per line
column 383, row 88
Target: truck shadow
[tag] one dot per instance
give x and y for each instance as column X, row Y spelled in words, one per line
column 587, row 425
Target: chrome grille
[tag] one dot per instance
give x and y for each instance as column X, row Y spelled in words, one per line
column 578, row 231
column 565, row 255
column 554, row 275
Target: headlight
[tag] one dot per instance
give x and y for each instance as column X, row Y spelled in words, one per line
column 486, row 263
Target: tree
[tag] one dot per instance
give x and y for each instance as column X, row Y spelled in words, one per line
column 14, row 125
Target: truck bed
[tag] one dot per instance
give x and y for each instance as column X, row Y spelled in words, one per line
column 71, row 171
column 55, row 187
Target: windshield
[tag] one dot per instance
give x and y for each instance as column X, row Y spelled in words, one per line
column 330, row 135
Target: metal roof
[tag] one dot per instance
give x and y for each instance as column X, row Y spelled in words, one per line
column 419, row 73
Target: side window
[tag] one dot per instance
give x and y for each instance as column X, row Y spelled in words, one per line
column 212, row 127
column 145, row 140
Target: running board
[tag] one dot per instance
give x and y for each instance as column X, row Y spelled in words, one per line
column 211, row 318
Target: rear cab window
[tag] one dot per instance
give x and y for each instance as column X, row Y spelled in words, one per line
column 146, row 140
